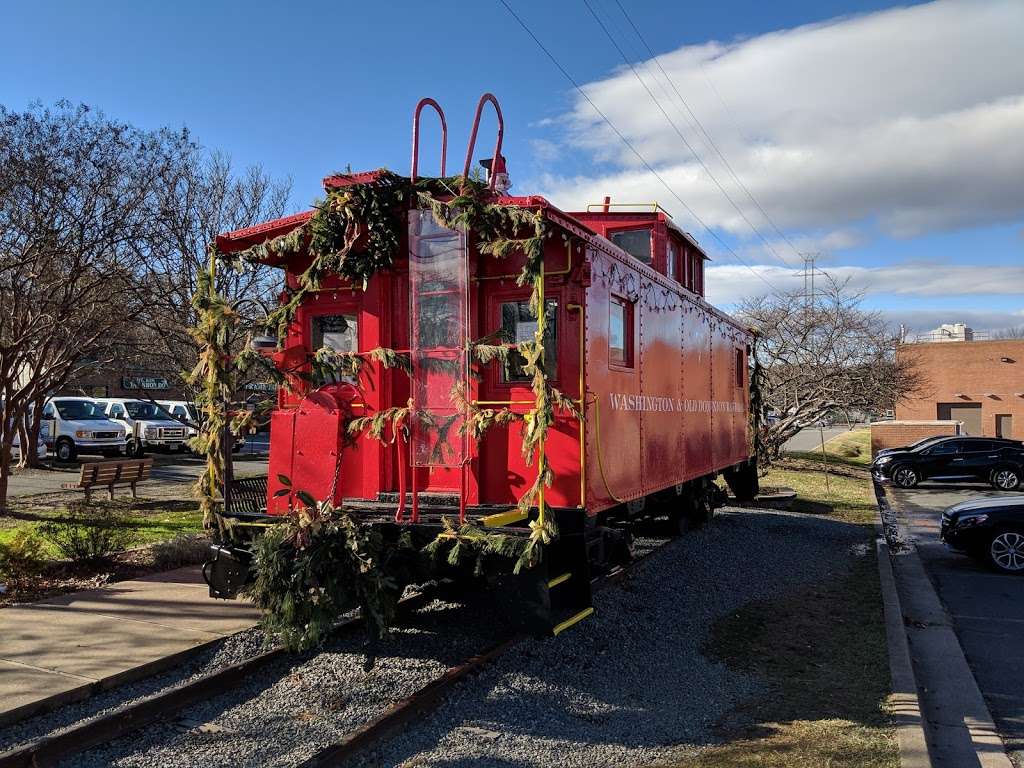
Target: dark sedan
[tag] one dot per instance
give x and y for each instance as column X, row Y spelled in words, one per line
column 989, row 529
column 990, row 459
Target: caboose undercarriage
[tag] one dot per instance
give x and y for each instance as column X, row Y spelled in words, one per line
column 545, row 599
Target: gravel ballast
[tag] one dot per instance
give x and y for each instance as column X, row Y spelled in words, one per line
column 628, row 686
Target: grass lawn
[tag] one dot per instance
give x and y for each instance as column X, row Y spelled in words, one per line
column 821, row 650
column 150, row 522
column 851, row 448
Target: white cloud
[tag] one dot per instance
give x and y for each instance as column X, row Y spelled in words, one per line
column 911, row 117
column 728, row 283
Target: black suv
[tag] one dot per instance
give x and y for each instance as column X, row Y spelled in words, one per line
column 992, row 459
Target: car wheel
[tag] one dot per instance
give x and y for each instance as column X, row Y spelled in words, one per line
column 1006, row 479
column 905, row 477
column 65, row 450
column 1006, row 552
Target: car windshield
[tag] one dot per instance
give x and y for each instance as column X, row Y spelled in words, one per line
column 140, row 410
column 925, row 442
column 79, row 410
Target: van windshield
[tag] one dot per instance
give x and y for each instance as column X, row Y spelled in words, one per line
column 140, row 410
column 79, row 410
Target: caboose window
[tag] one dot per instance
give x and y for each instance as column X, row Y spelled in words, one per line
column 519, row 324
column 671, row 260
column 620, row 332
column 740, row 366
column 635, row 242
column 336, row 332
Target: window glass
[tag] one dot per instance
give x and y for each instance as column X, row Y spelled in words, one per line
column 337, row 332
column 620, row 332
column 636, row 242
column 116, row 411
column 739, row 367
column 48, row 411
column 519, row 324
column 140, row 410
column 672, row 259
column 950, row 446
column 79, row 409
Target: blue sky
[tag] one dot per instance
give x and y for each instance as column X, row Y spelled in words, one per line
column 325, row 85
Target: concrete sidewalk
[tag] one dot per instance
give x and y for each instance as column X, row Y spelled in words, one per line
column 66, row 648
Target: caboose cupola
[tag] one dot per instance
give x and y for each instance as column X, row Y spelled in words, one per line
column 647, row 232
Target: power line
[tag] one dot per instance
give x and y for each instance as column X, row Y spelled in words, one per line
column 679, row 133
column 633, row 149
column 711, row 142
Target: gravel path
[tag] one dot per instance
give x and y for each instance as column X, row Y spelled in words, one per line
column 626, row 687
column 630, row 686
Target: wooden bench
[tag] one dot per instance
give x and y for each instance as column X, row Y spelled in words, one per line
column 107, row 474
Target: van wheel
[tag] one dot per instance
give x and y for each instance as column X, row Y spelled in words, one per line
column 65, row 450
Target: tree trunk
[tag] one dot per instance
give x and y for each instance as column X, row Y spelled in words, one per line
column 6, row 438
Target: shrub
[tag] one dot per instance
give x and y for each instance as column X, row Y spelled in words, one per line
column 187, row 549
column 850, row 451
column 88, row 535
column 23, row 555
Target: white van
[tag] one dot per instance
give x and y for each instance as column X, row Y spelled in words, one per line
column 77, row 425
column 186, row 413
column 149, row 426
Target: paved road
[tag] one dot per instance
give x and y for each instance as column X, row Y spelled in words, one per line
column 987, row 608
column 810, row 439
column 168, row 472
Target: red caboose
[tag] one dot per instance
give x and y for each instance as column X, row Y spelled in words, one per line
column 659, row 376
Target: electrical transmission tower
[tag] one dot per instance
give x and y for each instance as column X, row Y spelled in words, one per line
column 810, row 272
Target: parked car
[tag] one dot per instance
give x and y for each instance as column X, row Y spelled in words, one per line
column 989, row 529
column 149, row 426
column 917, row 444
column 78, row 425
column 186, row 413
column 994, row 460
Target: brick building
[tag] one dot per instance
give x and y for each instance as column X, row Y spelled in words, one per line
column 979, row 383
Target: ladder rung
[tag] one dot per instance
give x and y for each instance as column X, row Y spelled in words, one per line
column 559, row 579
column 572, row 620
column 503, row 518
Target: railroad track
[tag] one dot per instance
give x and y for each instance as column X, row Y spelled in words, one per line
column 59, row 746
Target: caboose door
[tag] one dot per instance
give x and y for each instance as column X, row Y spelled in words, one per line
column 502, row 472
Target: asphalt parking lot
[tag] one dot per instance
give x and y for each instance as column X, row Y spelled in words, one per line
column 987, row 608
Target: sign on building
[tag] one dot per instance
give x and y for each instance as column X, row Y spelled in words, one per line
column 144, row 382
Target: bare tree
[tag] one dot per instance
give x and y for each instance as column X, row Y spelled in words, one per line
column 813, row 358
column 78, row 192
column 198, row 199
column 1016, row 332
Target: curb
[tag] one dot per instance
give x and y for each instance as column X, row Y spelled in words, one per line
column 953, row 721
column 903, row 702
